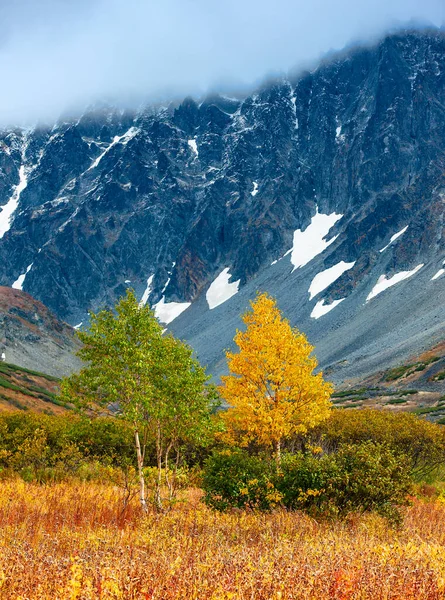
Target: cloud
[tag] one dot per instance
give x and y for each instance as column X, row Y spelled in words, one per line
column 59, row 54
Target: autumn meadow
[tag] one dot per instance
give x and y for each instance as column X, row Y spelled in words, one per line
column 156, row 484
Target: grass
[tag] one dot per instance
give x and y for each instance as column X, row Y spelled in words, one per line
column 427, row 410
column 8, row 367
column 404, row 370
column 75, row 542
column 397, row 401
column 440, row 376
column 29, row 388
column 5, row 383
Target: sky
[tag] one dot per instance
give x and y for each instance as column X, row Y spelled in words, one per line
column 58, row 55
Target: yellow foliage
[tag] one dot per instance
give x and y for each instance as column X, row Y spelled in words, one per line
column 272, row 391
column 68, row 541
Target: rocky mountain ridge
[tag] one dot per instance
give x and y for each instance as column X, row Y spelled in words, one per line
column 326, row 189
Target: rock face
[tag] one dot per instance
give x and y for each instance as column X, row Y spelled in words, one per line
column 31, row 336
column 165, row 199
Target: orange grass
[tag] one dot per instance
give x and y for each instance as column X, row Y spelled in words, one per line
column 73, row 542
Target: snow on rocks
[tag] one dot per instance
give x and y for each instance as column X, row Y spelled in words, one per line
column 321, row 308
column 123, row 139
column 383, row 283
column 310, row 242
column 221, row 290
column 339, row 136
column 324, row 279
column 7, row 211
column 394, row 238
column 439, row 273
column 18, row 283
column 193, row 145
column 167, row 312
column 147, row 290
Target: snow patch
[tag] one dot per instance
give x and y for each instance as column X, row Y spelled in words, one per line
column 383, row 283
column 7, row 211
column 221, row 290
column 18, row 283
column 339, row 136
column 321, row 308
column 439, row 273
column 324, row 279
column 147, row 291
column 310, row 242
column 193, row 145
column 254, row 192
column 294, row 108
column 124, row 139
column 68, row 221
column 394, row 238
column 167, row 312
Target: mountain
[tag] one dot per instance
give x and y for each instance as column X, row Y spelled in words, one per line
column 31, row 336
column 325, row 188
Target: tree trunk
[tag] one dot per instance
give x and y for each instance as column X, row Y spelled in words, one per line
column 140, row 470
column 170, row 481
column 278, row 454
column 158, row 497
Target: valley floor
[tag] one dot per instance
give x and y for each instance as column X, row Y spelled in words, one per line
column 73, row 541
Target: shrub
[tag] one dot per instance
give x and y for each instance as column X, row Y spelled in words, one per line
column 358, row 478
column 233, row 479
column 422, row 442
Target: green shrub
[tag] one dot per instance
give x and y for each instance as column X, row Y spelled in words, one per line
column 358, row 478
column 233, row 479
column 397, row 401
column 422, row 442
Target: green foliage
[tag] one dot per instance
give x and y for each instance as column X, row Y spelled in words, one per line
column 152, row 379
column 357, row 478
column 53, row 448
column 422, row 442
column 10, row 386
column 397, row 401
column 7, row 368
column 233, row 479
column 405, row 370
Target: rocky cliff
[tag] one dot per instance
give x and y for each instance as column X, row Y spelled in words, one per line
column 325, row 188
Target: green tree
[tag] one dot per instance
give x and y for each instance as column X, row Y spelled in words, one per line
column 152, row 381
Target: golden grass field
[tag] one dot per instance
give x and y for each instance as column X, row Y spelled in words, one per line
column 72, row 542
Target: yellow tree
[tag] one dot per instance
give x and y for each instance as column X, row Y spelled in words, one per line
column 272, row 391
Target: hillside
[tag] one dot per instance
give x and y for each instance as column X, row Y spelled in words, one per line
column 416, row 386
column 23, row 389
column 31, row 335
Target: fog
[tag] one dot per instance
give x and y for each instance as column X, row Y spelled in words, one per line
column 58, row 55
